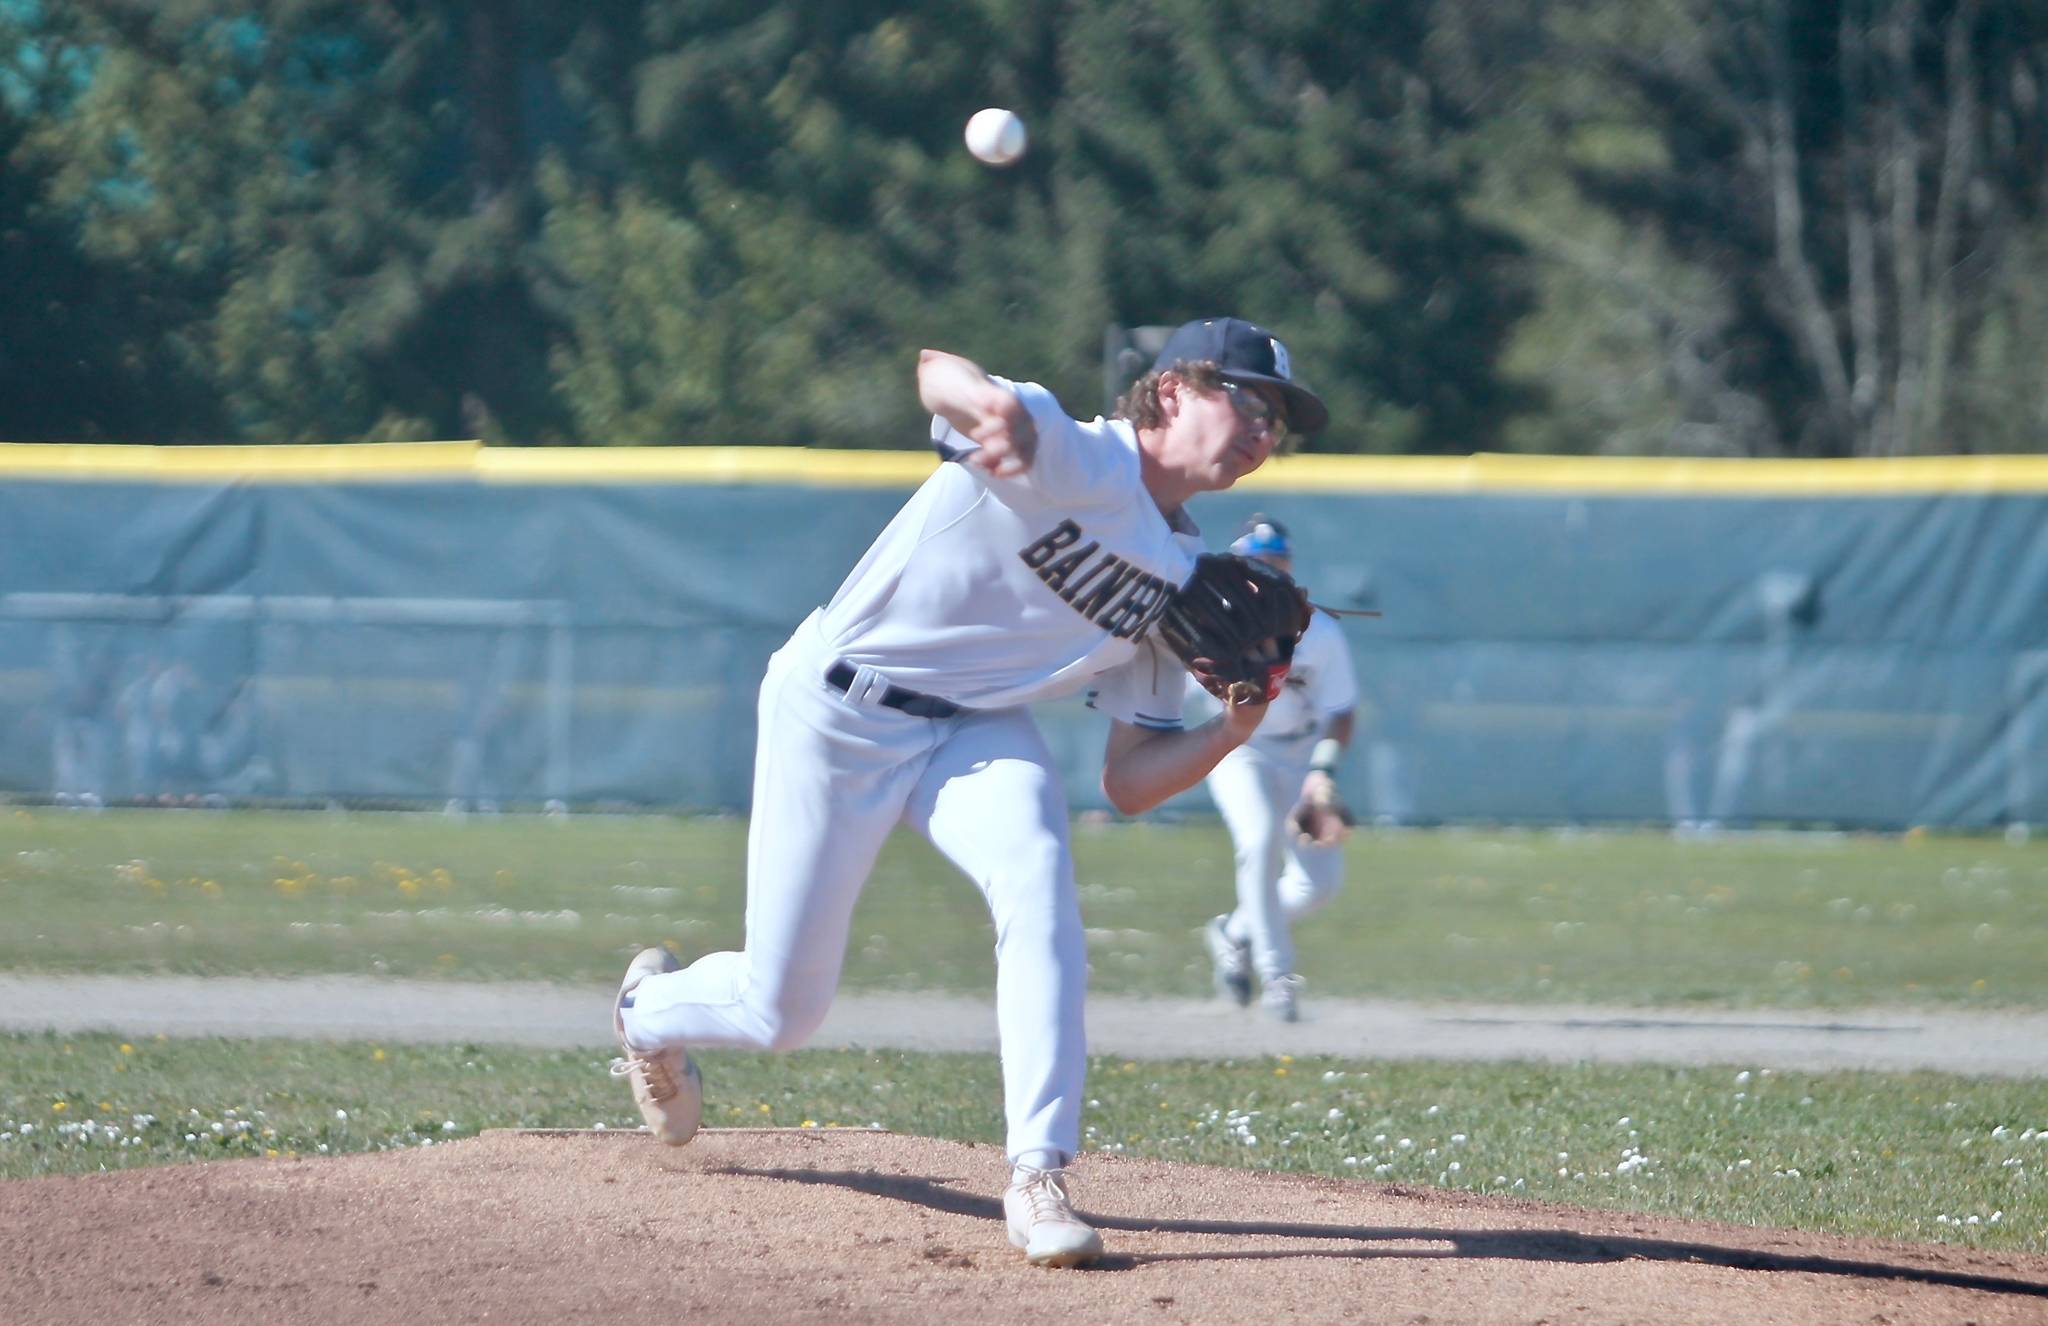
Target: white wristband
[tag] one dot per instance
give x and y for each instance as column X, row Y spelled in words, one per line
column 1328, row 754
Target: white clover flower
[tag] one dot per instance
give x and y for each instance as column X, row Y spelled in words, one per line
column 1406, row 1144
column 342, row 1115
column 1742, row 1076
column 1458, row 1137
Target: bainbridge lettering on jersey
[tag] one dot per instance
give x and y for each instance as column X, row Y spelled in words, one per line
column 1101, row 586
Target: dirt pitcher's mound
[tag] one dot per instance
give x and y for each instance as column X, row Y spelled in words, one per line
column 771, row 1227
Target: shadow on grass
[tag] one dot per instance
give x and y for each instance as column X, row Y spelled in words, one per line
column 1532, row 1245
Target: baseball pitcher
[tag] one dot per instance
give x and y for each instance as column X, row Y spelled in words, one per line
column 1047, row 556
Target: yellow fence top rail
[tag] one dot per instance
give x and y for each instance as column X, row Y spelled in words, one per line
column 1619, row 476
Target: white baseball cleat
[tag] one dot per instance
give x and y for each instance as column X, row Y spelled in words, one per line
column 666, row 1085
column 1230, row 961
column 1281, row 999
column 1042, row 1220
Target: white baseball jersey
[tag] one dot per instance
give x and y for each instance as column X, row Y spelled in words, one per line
column 995, row 592
column 1320, row 685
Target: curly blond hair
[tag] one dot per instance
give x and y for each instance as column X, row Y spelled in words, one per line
column 1140, row 404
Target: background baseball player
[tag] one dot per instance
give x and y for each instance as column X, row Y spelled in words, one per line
column 1277, row 794
column 1035, row 567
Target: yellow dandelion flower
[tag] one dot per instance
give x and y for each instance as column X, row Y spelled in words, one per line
column 1978, row 986
column 106, row 1107
column 810, row 1123
column 377, row 1054
column 764, row 1109
column 1280, row 1072
column 1286, row 1058
column 126, row 1048
column 58, row 1107
column 409, row 886
column 210, row 888
column 271, row 1152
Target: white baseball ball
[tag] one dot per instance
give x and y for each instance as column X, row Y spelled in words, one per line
column 996, row 136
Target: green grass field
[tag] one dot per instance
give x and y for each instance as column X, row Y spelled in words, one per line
column 1924, row 1157
column 1628, row 918
column 1624, row 918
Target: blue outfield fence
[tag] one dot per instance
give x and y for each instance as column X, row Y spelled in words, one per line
column 1856, row 643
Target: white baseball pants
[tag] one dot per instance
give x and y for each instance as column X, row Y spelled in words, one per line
column 1279, row 878
column 833, row 774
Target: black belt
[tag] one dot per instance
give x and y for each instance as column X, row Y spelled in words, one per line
column 918, row 705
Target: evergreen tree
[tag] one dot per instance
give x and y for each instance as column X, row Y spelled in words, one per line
column 87, row 351
column 800, row 171
column 1862, row 181
column 329, row 219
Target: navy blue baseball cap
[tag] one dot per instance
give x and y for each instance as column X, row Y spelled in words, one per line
column 1245, row 353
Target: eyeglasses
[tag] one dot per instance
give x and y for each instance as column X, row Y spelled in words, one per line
column 1256, row 410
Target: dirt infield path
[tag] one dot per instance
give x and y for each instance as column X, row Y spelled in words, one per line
column 1988, row 1044
column 758, row 1227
